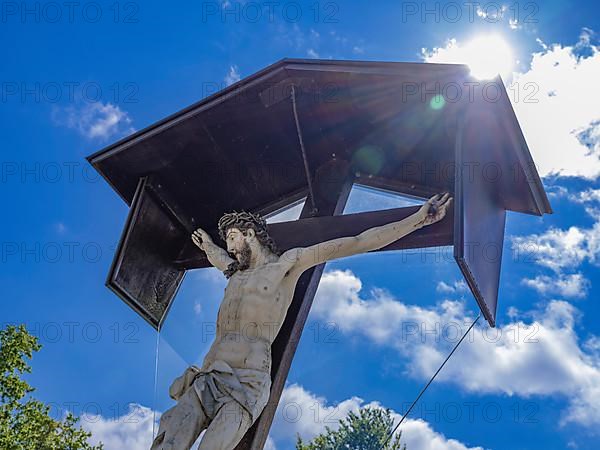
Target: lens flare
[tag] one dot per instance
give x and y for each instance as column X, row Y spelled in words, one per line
column 369, row 159
column 437, row 102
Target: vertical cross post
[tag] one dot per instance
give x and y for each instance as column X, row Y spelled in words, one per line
column 332, row 188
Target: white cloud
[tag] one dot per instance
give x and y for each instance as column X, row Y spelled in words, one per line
column 233, row 76
column 312, row 53
column 457, row 287
column 330, row 45
column 299, row 412
column 131, row 431
column 304, row 413
column 590, row 198
column 96, row 120
column 514, row 24
column 556, row 191
column 563, row 251
column 492, row 12
column 556, row 105
column 562, row 127
column 570, row 286
column 589, row 195
column 505, row 360
column 292, row 35
column 495, row 13
column 418, row 435
column 338, row 38
column 338, row 299
column 558, row 249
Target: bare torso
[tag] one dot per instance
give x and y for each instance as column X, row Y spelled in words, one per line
column 256, row 300
column 253, row 309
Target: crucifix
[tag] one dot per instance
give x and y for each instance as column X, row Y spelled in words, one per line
column 307, row 129
column 228, row 393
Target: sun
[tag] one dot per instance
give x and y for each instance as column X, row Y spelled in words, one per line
column 488, row 56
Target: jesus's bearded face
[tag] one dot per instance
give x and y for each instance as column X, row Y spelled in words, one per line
column 239, row 248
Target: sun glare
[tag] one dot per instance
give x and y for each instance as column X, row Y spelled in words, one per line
column 488, row 56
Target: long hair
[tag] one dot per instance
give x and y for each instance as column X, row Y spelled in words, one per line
column 244, row 221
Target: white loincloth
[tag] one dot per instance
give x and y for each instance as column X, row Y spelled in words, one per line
column 220, row 384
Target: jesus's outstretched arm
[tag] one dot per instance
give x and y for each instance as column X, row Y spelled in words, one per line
column 374, row 238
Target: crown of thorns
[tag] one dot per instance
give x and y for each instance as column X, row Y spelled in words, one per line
column 241, row 220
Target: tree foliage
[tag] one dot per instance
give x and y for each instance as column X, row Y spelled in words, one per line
column 367, row 430
column 25, row 423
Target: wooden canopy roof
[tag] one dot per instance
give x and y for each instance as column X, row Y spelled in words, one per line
column 239, row 147
column 288, row 132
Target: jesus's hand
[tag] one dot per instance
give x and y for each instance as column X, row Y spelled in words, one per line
column 434, row 209
column 199, row 237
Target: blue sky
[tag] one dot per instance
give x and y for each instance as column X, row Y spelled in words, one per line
column 75, row 79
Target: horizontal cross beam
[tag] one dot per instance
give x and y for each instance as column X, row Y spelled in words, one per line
column 312, row 230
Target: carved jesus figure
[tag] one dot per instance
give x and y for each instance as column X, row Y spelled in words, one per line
column 227, row 394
